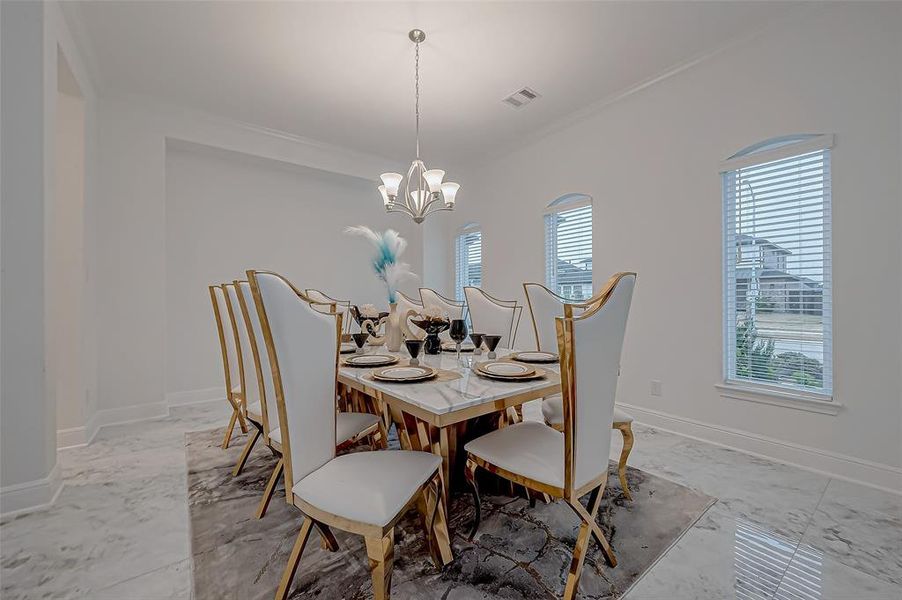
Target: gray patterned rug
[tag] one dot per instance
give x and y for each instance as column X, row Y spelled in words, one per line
column 520, row 552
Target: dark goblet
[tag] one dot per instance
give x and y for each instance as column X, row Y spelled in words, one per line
column 476, row 338
column 360, row 339
column 413, row 348
column 491, row 342
column 458, row 333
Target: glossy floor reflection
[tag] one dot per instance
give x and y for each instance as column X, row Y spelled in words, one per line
column 120, row 527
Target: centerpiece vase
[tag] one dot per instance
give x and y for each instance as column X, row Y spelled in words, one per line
column 393, row 337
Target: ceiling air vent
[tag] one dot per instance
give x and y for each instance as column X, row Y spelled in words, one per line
column 521, row 98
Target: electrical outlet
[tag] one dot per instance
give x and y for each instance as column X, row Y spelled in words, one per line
column 655, row 387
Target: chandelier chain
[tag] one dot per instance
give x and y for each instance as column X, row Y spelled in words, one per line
column 417, row 85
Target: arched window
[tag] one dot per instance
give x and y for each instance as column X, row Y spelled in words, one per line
column 568, row 246
column 778, row 326
column 468, row 259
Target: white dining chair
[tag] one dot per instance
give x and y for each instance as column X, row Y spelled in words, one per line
column 350, row 426
column 574, row 462
column 453, row 308
column 489, row 315
column 342, row 306
column 231, row 371
column 363, row 492
column 544, row 305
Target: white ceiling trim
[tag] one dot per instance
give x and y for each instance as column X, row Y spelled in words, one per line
column 352, row 162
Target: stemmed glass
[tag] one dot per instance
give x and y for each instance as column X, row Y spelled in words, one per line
column 476, row 338
column 360, row 339
column 491, row 342
column 413, row 348
column 458, row 333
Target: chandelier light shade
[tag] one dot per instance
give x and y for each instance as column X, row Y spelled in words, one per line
column 424, row 190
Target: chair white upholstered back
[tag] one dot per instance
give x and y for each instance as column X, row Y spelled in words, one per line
column 261, row 357
column 228, row 338
column 303, row 351
column 341, row 306
column 544, row 306
column 597, row 342
column 455, row 310
column 248, row 367
column 491, row 316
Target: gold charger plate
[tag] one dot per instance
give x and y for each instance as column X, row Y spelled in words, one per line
column 534, row 356
column 370, row 360
column 504, row 370
column 404, row 373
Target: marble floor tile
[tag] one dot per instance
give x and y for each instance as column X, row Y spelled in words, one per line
column 860, row 528
column 171, row 582
column 777, row 496
column 812, row 575
column 120, row 527
column 723, row 556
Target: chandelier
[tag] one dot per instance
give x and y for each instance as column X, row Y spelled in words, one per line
column 424, row 192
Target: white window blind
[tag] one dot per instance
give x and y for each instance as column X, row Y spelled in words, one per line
column 568, row 250
column 468, row 262
column 777, row 265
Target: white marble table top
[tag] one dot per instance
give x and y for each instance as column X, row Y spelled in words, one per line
column 439, row 397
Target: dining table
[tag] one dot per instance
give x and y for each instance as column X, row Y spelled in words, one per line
column 430, row 415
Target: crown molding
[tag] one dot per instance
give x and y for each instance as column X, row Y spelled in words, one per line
column 597, row 107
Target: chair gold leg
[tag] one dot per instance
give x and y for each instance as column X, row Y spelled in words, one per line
column 470, row 474
column 381, row 554
column 294, row 559
column 327, row 540
column 239, row 466
column 576, row 562
column 228, row 432
column 626, row 429
column 588, row 517
column 270, row 488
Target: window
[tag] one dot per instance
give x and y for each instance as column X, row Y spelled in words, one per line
column 568, row 246
column 777, row 265
column 468, row 261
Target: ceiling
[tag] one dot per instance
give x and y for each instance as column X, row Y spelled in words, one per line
column 342, row 73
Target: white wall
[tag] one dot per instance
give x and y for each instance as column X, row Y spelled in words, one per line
column 132, row 228
column 227, row 212
column 650, row 161
column 26, row 412
column 66, row 263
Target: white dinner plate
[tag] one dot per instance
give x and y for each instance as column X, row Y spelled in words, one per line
column 535, row 357
column 370, row 360
column 404, row 373
column 506, row 369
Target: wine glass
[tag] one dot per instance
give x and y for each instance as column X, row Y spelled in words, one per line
column 413, row 348
column 360, row 339
column 458, row 333
column 476, row 338
column 491, row 342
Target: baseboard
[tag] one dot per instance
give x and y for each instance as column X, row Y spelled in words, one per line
column 32, row 495
column 873, row 474
column 76, row 437
column 73, row 437
column 130, row 414
column 198, row 396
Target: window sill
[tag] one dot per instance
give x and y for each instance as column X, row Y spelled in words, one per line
column 816, row 403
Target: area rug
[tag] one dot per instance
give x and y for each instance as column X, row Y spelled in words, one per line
column 520, row 552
